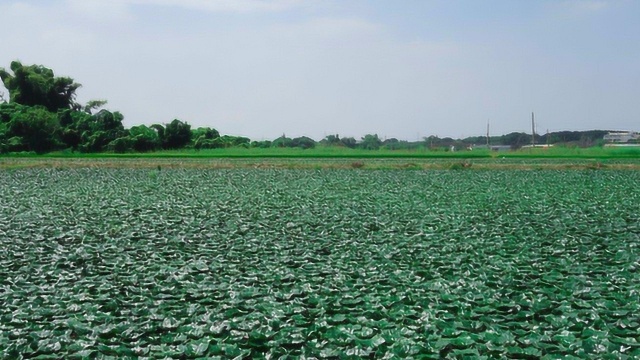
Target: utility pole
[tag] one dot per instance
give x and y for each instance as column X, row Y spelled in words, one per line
column 487, row 134
column 533, row 131
column 547, row 137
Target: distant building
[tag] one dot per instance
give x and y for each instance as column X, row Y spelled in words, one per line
column 490, row 147
column 621, row 137
column 501, row 147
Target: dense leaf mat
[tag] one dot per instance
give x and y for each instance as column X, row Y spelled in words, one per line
column 270, row 263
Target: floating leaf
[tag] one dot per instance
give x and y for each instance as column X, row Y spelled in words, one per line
column 252, row 263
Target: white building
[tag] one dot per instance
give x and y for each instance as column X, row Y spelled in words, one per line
column 621, row 137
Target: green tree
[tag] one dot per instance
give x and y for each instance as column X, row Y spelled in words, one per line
column 144, row 138
column 12, row 144
column 108, row 121
column 177, row 134
column 331, row 140
column 4, row 129
column 74, row 124
column 95, row 141
column 303, row 142
column 227, row 141
column 264, row 144
column 71, row 138
column 37, row 127
column 93, row 105
column 394, row 144
column 203, row 138
column 371, row 142
column 37, row 85
column 516, row 139
column 282, row 141
column 349, row 142
column 159, row 129
column 121, row 144
column 241, row 141
column 8, row 109
column 9, row 142
column 100, row 129
column 431, row 142
column 204, row 132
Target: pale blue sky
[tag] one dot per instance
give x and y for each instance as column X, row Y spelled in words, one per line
column 404, row 69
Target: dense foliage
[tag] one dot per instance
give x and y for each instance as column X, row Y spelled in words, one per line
column 268, row 263
column 42, row 116
column 36, row 85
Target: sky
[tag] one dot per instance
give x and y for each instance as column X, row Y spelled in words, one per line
column 400, row 69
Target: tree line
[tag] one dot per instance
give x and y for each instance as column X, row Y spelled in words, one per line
column 42, row 115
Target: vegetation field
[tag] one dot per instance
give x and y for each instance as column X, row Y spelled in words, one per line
column 322, row 151
column 315, row 163
column 268, row 263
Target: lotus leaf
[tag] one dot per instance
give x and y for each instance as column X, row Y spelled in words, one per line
column 266, row 263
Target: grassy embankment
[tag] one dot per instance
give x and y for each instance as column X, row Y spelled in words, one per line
column 337, row 157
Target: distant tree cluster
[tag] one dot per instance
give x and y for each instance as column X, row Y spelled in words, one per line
column 42, row 115
column 516, row 140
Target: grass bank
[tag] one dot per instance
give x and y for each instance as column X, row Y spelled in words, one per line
column 347, row 153
column 462, row 164
column 323, row 157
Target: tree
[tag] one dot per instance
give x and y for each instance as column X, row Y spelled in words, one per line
column 371, row 142
column 144, row 138
column 282, row 141
column 95, row 141
column 4, row 129
column 205, row 133
column 106, row 120
column 229, row 141
column 73, row 125
column 349, row 142
column 177, row 134
column 93, row 105
column 331, row 140
column 393, row 144
column 100, row 129
column 241, row 141
column 37, row 85
column 431, row 141
column 37, row 127
column 71, row 138
column 8, row 109
column 516, row 139
column 203, row 138
column 159, row 129
column 303, row 142
column 121, row 144
column 264, row 144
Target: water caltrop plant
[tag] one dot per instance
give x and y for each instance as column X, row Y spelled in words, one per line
column 265, row 263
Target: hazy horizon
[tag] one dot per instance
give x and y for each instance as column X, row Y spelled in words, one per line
column 260, row 68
